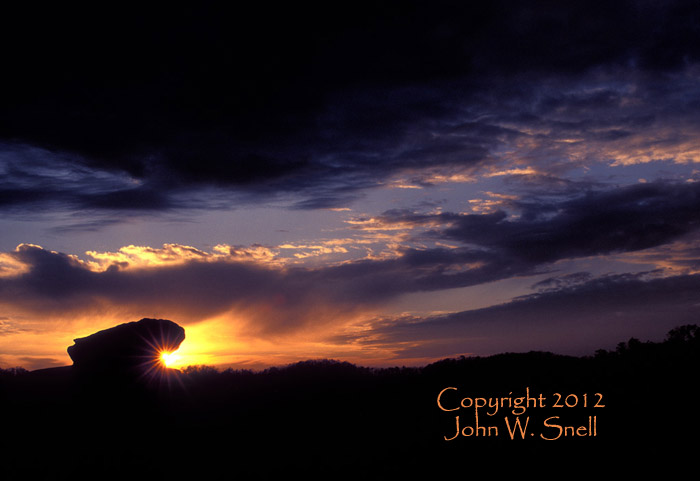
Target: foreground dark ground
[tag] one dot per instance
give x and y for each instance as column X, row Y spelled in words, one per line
column 334, row 420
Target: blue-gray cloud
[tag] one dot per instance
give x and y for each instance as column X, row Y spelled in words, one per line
column 598, row 221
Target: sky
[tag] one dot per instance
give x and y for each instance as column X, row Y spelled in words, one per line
column 385, row 183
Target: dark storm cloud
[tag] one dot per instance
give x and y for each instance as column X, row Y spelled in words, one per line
column 55, row 280
column 269, row 98
column 33, row 177
column 577, row 320
column 142, row 198
column 598, row 222
column 279, row 299
column 619, row 220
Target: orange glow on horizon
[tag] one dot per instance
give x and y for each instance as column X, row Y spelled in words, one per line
column 222, row 342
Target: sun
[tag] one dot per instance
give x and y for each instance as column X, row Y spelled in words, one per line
column 168, row 358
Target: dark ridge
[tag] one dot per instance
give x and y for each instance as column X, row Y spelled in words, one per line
column 327, row 419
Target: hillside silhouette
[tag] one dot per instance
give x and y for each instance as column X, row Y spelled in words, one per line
column 335, row 420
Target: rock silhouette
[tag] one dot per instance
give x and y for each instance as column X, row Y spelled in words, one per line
column 131, row 347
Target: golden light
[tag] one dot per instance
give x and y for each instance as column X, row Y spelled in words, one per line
column 169, row 358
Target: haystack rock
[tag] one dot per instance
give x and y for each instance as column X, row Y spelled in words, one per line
column 134, row 346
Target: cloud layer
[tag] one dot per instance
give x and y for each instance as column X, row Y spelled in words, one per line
column 264, row 103
column 283, row 294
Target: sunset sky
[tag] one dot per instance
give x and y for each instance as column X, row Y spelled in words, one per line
column 386, row 183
